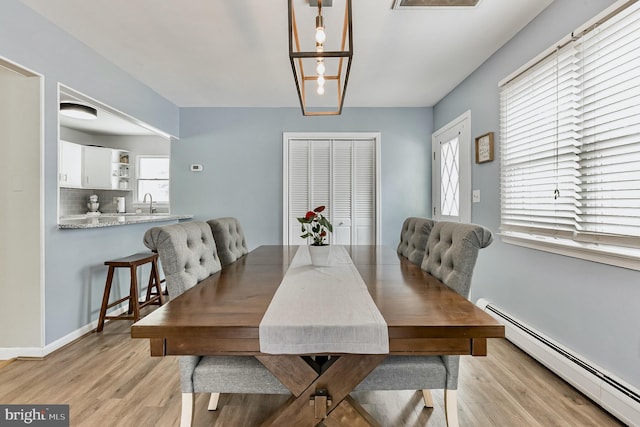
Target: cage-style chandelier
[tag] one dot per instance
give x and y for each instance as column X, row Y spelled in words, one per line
column 321, row 74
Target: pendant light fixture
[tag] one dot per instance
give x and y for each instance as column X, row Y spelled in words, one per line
column 78, row 111
column 322, row 72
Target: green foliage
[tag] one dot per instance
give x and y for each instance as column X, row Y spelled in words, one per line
column 316, row 226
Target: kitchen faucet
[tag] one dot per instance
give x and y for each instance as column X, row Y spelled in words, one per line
column 144, row 200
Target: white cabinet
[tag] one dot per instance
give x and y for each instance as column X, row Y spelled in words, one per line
column 120, row 170
column 86, row 166
column 70, row 164
column 96, row 167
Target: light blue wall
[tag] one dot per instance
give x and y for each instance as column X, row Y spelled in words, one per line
column 74, row 270
column 35, row 43
column 241, row 151
column 589, row 307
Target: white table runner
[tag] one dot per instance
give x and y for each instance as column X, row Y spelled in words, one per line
column 323, row 310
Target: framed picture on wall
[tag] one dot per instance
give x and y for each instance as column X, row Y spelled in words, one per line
column 484, row 148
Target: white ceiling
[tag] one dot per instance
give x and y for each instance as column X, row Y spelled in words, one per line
column 108, row 122
column 234, row 53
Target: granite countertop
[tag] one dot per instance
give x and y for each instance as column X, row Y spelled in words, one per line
column 110, row 220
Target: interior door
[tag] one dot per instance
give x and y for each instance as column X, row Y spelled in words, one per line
column 21, row 226
column 451, row 171
column 364, row 194
column 339, row 171
column 297, row 187
column 341, row 209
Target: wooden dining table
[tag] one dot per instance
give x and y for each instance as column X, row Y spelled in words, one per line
column 221, row 316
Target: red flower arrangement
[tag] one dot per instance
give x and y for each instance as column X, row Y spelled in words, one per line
column 316, row 226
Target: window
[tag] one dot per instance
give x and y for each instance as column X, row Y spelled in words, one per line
column 449, row 175
column 153, row 178
column 451, row 171
column 570, row 133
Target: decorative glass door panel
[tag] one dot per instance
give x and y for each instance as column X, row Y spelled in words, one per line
column 450, row 177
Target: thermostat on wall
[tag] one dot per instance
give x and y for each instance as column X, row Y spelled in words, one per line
column 196, row 168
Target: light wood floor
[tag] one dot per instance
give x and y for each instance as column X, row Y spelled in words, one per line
column 108, row 379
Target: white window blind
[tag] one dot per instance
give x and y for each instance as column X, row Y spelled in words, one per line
column 570, row 134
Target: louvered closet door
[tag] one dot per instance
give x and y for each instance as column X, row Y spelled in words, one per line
column 339, row 174
column 341, row 211
column 364, row 202
column 298, row 187
column 320, row 174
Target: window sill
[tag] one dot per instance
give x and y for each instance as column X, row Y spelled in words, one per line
column 617, row 256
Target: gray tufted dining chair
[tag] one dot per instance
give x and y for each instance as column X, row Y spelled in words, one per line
column 450, row 256
column 188, row 255
column 413, row 238
column 230, row 240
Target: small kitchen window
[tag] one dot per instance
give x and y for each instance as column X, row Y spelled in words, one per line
column 153, row 178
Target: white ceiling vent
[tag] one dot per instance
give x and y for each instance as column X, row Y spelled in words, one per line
column 422, row 4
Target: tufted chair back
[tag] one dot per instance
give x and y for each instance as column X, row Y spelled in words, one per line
column 187, row 253
column 229, row 238
column 413, row 238
column 452, row 251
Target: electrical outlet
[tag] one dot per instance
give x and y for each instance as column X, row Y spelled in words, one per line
column 476, row 196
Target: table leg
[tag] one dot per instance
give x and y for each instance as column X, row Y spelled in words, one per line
column 292, row 371
column 332, row 386
column 350, row 413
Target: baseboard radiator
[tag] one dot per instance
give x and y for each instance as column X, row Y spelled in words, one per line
column 618, row 398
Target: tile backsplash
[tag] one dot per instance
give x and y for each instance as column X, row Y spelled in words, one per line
column 73, row 201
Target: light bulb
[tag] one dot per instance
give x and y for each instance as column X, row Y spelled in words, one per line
column 320, row 90
column 320, row 69
column 321, row 81
column 320, row 34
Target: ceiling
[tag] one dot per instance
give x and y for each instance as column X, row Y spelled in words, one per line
column 108, row 122
column 234, row 53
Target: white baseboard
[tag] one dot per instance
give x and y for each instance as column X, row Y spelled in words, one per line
column 40, row 352
column 612, row 393
column 9, row 353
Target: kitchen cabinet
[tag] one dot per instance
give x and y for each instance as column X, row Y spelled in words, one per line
column 70, row 164
column 96, row 167
column 87, row 166
column 120, row 170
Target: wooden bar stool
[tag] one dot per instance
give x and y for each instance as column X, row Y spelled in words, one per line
column 154, row 291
